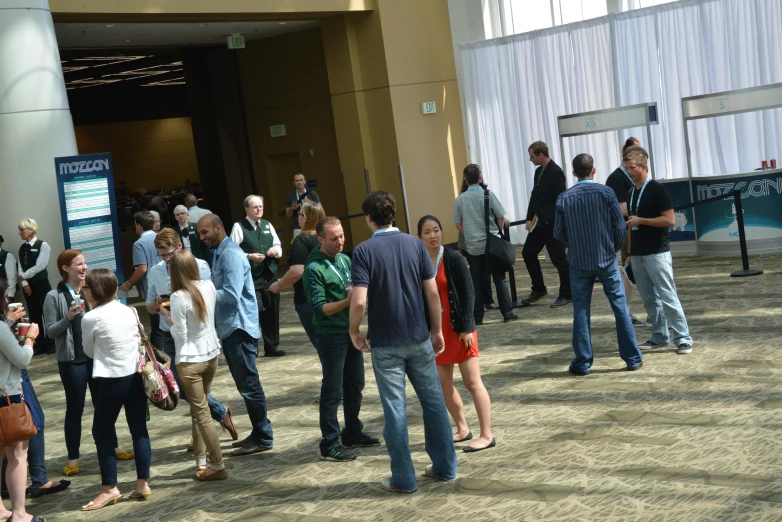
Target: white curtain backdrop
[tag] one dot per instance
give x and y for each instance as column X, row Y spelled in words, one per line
column 515, row 87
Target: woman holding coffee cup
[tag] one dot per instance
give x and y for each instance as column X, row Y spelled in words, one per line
column 14, row 358
column 63, row 311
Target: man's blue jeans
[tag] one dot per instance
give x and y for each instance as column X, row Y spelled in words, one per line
column 654, row 279
column 343, row 366
column 304, row 312
column 415, row 360
column 165, row 342
column 241, row 353
column 582, row 283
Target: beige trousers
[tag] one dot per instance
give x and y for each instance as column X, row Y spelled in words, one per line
column 196, row 379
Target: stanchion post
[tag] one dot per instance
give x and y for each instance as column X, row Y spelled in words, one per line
column 512, row 279
column 746, row 270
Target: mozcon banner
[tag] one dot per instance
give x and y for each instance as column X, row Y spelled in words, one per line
column 761, row 199
column 89, row 209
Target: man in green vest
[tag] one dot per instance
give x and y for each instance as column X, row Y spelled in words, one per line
column 189, row 235
column 259, row 241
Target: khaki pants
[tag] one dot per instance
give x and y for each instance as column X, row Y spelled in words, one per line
column 196, row 379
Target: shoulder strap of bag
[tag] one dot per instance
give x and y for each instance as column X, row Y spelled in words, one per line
column 144, row 339
column 486, row 209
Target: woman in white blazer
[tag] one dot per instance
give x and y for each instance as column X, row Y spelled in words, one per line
column 110, row 337
column 197, row 348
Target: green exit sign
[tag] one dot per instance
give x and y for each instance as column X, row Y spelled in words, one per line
column 428, row 108
column 236, row 41
column 277, row 131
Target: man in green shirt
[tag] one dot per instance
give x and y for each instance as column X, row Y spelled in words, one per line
column 327, row 284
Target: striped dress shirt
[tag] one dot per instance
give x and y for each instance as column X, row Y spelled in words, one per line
column 589, row 220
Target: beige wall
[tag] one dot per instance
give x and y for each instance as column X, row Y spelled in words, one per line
column 149, row 155
column 382, row 66
column 284, row 81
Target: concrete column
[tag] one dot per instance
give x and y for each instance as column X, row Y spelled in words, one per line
column 35, row 123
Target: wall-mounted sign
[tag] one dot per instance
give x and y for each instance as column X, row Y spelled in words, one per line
column 428, row 107
column 236, row 41
column 277, row 131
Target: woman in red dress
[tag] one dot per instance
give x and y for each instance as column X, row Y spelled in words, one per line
column 457, row 299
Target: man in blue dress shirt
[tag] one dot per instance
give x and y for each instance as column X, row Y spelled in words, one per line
column 588, row 219
column 236, row 316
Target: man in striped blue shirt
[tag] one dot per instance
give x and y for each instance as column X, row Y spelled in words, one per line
column 588, row 219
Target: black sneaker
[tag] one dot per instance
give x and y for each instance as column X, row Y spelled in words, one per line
column 561, row 301
column 648, row 345
column 337, row 454
column 364, row 442
column 684, row 349
column 579, row 373
column 511, row 317
column 534, row 297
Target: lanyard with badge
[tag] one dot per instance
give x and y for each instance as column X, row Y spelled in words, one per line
column 349, row 285
column 638, row 201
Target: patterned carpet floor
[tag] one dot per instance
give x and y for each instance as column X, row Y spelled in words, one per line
column 688, row 437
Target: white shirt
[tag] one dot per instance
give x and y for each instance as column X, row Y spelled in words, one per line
column 110, row 337
column 10, row 272
column 40, row 263
column 195, row 213
column 237, row 235
column 194, row 341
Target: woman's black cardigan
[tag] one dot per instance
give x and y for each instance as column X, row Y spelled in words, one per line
column 461, row 295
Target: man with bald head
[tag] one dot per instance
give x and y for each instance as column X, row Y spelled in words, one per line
column 236, row 316
column 194, row 211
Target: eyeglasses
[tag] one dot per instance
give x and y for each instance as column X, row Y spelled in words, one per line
column 167, row 255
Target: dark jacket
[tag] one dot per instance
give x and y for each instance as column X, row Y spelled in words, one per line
column 549, row 184
column 461, row 295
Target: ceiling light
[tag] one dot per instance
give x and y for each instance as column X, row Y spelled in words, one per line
column 128, row 40
column 110, row 25
column 283, row 23
column 202, row 25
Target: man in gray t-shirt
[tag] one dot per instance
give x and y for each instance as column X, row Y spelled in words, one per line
column 469, row 215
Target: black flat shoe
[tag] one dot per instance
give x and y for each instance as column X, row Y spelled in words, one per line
column 274, row 353
column 40, row 492
column 468, row 437
column 470, row 449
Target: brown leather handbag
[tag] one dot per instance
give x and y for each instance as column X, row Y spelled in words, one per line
column 16, row 422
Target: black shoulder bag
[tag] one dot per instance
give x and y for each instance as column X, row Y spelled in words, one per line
column 500, row 254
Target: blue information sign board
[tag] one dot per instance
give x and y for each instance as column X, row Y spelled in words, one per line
column 89, row 209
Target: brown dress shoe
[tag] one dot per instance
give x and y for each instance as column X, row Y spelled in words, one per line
column 228, row 424
column 206, row 475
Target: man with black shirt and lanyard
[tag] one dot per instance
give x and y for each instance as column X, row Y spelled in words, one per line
column 649, row 253
column 619, row 181
column 549, row 184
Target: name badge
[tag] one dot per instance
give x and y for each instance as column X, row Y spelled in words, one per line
column 33, row 250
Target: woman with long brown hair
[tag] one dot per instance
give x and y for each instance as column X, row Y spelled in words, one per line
column 197, row 347
column 303, row 244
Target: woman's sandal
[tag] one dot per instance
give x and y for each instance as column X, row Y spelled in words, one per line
column 139, row 496
column 92, row 506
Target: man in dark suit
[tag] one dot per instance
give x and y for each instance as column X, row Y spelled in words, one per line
column 549, row 183
column 189, row 235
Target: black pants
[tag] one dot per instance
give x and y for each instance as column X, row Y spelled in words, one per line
column 480, row 270
column 543, row 235
column 269, row 318
column 35, row 301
